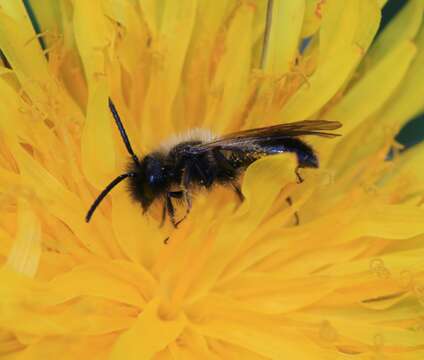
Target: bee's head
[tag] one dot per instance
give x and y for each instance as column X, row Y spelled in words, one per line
column 150, row 181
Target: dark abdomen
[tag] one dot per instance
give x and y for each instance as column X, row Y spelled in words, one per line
column 305, row 154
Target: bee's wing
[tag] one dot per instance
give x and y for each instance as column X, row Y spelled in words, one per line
column 251, row 138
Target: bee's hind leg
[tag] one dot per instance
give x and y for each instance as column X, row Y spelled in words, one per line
column 299, row 178
column 289, row 199
column 231, row 171
column 296, row 215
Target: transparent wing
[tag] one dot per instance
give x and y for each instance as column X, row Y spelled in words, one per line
column 251, row 138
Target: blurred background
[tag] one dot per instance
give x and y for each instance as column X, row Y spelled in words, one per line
column 411, row 134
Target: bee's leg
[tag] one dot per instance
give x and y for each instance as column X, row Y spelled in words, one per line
column 187, row 199
column 289, row 200
column 237, row 190
column 163, row 218
column 171, row 210
column 205, row 181
column 171, row 194
column 224, row 163
column 185, row 194
column 296, row 215
column 299, row 178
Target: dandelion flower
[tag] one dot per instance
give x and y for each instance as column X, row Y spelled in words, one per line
column 234, row 281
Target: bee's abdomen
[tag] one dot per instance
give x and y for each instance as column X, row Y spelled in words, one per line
column 306, row 156
column 242, row 159
column 304, row 153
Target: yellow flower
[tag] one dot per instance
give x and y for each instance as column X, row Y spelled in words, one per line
column 233, row 281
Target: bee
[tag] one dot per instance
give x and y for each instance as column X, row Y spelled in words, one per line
column 203, row 160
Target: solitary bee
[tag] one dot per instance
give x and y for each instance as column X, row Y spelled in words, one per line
column 203, row 160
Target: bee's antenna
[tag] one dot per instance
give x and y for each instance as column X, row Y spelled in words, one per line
column 105, row 192
column 123, row 132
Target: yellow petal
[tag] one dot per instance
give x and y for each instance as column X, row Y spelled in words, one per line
column 171, row 46
column 191, row 345
column 367, row 329
column 340, row 51
column 225, row 350
column 375, row 133
column 68, row 349
column 370, row 333
column 95, row 281
column 92, row 45
column 48, row 18
column 25, row 310
column 19, row 44
column 25, row 254
column 402, row 28
column 125, row 14
column 225, row 95
column 387, row 221
column 284, row 33
column 262, row 182
column 276, row 294
column 367, row 96
column 10, row 108
column 281, row 248
column 407, row 101
column 93, row 37
column 397, row 265
column 313, row 15
column 197, row 70
column 259, row 334
column 137, row 234
column 150, row 334
column 406, row 179
column 151, row 10
column 54, row 195
column 98, row 155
